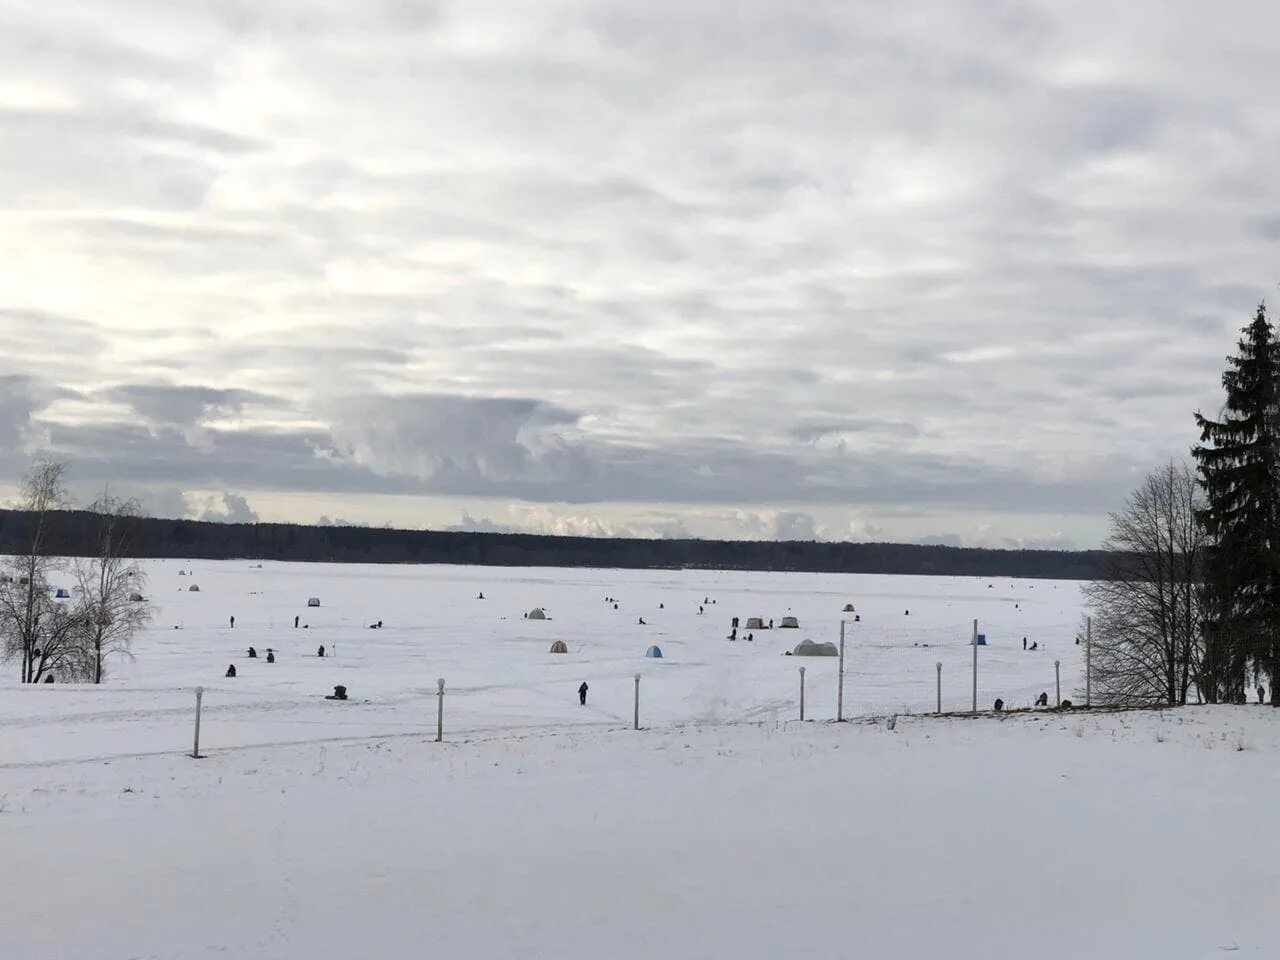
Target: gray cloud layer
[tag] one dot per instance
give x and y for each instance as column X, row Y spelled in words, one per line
column 773, row 269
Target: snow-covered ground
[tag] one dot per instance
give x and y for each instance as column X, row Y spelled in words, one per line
column 499, row 674
column 543, row 829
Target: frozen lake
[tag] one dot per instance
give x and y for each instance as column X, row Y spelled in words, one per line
column 501, row 678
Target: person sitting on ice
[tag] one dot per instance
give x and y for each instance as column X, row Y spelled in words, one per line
column 1042, row 700
column 480, row 595
column 733, row 634
column 750, row 637
column 271, row 657
column 582, row 693
column 999, row 705
column 1034, row 645
column 320, row 652
column 661, row 606
column 253, row 654
column 231, row 670
column 642, row 623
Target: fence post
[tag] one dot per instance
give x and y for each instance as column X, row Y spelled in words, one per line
column 1057, row 682
column 195, row 747
column 939, row 666
column 975, row 666
column 637, row 716
column 440, row 710
column 1088, row 661
column 840, row 688
column 802, row 694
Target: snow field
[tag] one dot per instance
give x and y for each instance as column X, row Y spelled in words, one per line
column 1054, row 836
column 500, row 676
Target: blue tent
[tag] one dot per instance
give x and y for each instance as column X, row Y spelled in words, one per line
column 61, row 594
column 980, row 639
column 654, row 652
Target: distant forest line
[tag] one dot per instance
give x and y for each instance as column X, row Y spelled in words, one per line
column 157, row 538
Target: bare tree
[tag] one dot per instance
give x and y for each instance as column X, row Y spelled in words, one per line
column 35, row 628
column 110, row 584
column 1146, row 628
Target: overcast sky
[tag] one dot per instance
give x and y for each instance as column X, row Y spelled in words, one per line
column 955, row 272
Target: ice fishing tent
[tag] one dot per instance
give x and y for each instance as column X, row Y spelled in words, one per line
column 61, row 594
column 194, row 588
column 313, row 602
column 559, row 647
column 537, row 613
column 654, row 652
column 755, row 623
column 848, row 608
column 807, row 648
column 790, row 623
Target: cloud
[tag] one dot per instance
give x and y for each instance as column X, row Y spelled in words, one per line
column 233, row 509
column 795, row 525
column 666, row 266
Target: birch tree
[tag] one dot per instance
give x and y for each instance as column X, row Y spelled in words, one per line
column 110, row 585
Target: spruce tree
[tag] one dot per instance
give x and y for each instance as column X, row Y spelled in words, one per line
column 1238, row 459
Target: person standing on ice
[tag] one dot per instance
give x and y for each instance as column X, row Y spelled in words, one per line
column 295, row 623
column 1024, row 643
column 582, row 694
column 233, row 622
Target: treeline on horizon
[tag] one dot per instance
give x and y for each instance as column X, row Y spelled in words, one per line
column 73, row 535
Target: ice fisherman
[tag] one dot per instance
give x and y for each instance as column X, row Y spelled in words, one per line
column 320, row 652
column 271, row 657
column 233, row 622
column 231, row 670
column 1024, row 643
column 253, row 654
column 582, row 694
column 295, row 623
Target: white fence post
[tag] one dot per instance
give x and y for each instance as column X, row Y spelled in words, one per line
column 195, row 747
column 939, row 666
column 802, row 693
column 1088, row 661
column 440, row 710
column 840, row 688
column 1057, row 682
column 975, row 666
column 637, row 715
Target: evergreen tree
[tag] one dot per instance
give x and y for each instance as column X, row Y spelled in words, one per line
column 1238, row 459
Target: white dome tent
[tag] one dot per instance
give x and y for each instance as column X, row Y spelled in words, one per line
column 807, row 648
